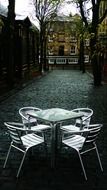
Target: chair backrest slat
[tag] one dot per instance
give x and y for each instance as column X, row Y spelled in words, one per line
column 14, row 134
column 93, row 133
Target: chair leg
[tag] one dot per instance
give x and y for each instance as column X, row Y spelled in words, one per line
column 45, row 142
column 45, row 148
column 7, row 156
column 60, row 139
column 82, row 166
column 21, row 164
column 98, row 156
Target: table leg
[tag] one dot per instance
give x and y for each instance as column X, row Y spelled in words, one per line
column 53, row 144
column 81, row 124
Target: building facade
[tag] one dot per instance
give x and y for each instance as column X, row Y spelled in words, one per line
column 102, row 32
column 61, row 42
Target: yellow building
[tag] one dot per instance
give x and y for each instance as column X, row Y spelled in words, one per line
column 64, row 41
column 102, row 32
column 61, row 42
column 103, row 26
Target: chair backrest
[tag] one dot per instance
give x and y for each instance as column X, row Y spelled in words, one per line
column 26, row 119
column 94, row 131
column 87, row 114
column 14, row 133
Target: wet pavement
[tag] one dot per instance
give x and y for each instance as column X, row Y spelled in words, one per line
column 66, row 89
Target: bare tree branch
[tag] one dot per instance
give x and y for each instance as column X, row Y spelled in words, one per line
column 83, row 12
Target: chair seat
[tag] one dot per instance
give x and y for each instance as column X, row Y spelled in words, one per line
column 70, row 128
column 32, row 120
column 40, row 127
column 30, row 140
column 76, row 142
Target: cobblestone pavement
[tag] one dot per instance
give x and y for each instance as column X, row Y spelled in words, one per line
column 64, row 89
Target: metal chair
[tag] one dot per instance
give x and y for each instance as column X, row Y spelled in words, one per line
column 31, row 122
column 21, row 143
column 87, row 114
column 84, row 143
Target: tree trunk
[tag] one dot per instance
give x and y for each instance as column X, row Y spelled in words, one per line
column 95, row 61
column 10, row 44
column 82, row 64
column 41, row 50
column 97, row 70
column 45, row 59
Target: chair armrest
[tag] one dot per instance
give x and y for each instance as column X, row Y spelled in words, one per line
column 15, row 124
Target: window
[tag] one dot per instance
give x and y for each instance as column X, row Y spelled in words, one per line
column 73, row 50
column 50, row 51
column 72, row 39
column 61, row 38
column 87, row 42
column 50, row 38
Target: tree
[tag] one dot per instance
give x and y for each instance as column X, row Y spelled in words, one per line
column 9, row 31
column 80, row 32
column 45, row 11
column 92, row 27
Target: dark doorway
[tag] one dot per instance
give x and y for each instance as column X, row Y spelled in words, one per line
column 61, row 50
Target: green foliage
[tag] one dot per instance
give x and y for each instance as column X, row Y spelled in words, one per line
column 1, row 22
column 92, row 27
column 78, row 25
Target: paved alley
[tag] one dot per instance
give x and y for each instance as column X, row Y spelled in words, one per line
column 66, row 89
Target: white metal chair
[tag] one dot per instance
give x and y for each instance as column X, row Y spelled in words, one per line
column 84, row 143
column 21, row 143
column 29, row 121
column 80, row 123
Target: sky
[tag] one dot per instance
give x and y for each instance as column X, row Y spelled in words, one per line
column 66, row 9
column 72, row 8
column 22, row 7
column 19, row 5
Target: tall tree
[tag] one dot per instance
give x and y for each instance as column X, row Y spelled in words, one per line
column 80, row 34
column 92, row 27
column 45, row 11
column 10, row 42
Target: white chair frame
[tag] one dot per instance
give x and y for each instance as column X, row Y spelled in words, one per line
column 29, row 121
column 83, row 144
column 80, row 123
column 21, row 143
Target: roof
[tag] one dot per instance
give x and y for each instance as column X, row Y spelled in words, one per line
column 23, row 9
